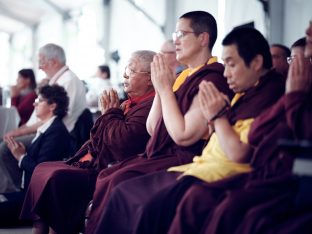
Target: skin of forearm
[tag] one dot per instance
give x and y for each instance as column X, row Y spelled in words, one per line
column 230, row 142
column 183, row 132
column 153, row 115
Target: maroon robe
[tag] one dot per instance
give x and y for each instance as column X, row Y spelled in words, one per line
column 24, row 106
column 238, row 204
column 161, row 151
column 130, row 211
column 59, row 192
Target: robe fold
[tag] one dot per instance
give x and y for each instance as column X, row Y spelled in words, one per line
column 59, row 192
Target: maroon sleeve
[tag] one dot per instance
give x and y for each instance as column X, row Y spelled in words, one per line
column 265, row 122
column 126, row 133
column 299, row 114
column 24, row 106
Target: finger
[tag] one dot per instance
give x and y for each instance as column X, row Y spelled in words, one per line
column 226, row 99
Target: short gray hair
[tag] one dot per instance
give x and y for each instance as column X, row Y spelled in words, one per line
column 53, row 51
column 145, row 57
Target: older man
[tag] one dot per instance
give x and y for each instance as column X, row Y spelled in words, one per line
column 59, row 192
column 168, row 50
column 52, row 61
column 279, row 55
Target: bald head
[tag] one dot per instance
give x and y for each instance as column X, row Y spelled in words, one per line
column 168, row 50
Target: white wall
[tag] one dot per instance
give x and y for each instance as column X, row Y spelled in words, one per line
column 298, row 13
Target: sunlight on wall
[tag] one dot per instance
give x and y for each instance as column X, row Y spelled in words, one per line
column 4, row 59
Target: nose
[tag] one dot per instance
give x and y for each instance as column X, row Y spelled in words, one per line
column 125, row 76
column 309, row 30
column 226, row 72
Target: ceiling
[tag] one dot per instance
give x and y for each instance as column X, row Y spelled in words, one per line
column 16, row 14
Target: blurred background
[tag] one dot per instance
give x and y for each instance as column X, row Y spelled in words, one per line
column 95, row 32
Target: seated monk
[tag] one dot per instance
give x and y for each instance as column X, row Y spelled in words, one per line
column 263, row 200
column 248, row 65
column 59, row 192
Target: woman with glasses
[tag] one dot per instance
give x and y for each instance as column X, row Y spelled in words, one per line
column 51, row 143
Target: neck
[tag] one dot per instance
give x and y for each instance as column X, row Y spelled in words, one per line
column 46, row 118
column 54, row 70
column 199, row 59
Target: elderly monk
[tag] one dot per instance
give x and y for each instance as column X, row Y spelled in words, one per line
column 59, row 192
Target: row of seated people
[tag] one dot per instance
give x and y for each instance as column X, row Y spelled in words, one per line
column 179, row 122
column 11, row 207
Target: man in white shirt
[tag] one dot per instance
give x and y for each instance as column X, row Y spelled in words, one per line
column 52, row 61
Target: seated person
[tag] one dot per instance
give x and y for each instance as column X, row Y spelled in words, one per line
column 119, row 133
column 248, row 70
column 23, row 94
column 96, row 85
column 279, row 55
column 50, row 144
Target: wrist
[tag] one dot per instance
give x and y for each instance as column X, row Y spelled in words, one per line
column 220, row 114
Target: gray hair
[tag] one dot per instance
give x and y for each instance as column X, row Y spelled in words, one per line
column 145, row 57
column 53, row 51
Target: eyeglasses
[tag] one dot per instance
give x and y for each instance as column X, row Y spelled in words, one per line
column 180, row 34
column 290, row 59
column 39, row 100
column 129, row 71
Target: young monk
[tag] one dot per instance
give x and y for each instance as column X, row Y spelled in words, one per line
column 259, row 201
column 59, row 192
column 175, row 123
column 248, row 65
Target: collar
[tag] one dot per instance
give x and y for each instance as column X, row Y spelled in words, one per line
column 57, row 75
column 188, row 72
column 132, row 101
column 46, row 125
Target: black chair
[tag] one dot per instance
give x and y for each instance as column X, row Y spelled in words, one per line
column 81, row 132
column 302, row 169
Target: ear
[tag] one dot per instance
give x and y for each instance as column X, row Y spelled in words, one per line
column 149, row 81
column 205, row 38
column 257, row 63
column 52, row 107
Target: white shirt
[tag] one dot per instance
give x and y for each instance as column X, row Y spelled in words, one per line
column 96, row 87
column 76, row 93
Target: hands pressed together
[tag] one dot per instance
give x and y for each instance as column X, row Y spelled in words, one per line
column 162, row 76
column 299, row 75
column 213, row 103
column 108, row 99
